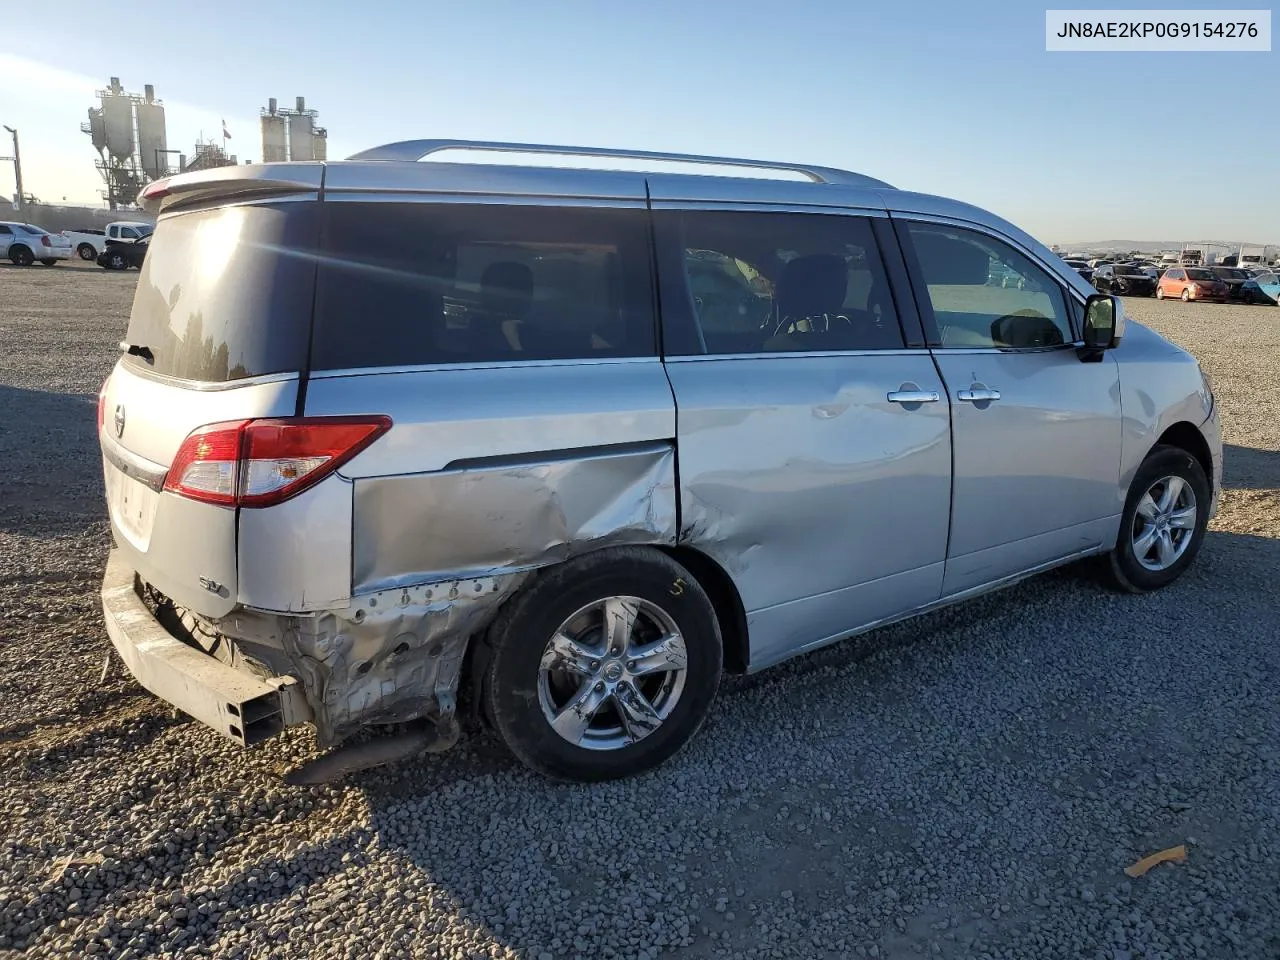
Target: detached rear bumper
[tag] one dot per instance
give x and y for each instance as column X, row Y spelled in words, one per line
column 241, row 706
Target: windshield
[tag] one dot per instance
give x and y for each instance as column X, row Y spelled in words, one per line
column 1201, row 275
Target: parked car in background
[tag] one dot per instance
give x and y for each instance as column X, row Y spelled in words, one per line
column 1269, row 286
column 25, row 243
column 1082, row 268
column 88, row 243
column 130, row 231
column 1123, row 279
column 1240, row 287
column 1251, row 291
column 855, row 428
column 1191, row 283
column 123, row 254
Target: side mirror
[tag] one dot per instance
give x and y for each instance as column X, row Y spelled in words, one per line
column 1101, row 326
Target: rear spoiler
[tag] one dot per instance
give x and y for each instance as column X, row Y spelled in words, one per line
column 231, row 183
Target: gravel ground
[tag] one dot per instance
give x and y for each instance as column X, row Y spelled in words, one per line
column 970, row 784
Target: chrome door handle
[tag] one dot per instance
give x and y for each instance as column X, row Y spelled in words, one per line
column 912, row 396
column 976, row 394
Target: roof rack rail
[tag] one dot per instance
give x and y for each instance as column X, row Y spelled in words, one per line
column 412, row 150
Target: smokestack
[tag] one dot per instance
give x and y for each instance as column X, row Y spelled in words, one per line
column 271, row 106
column 150, row 92
column 302, row 104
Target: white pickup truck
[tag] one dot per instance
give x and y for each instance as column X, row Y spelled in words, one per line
column 90, row 243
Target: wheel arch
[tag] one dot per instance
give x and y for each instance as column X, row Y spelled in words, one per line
column 726, row 601
column 1187, row 436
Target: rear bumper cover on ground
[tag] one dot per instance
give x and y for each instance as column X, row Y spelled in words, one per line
column 239, row 705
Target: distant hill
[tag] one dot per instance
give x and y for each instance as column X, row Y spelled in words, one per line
column 1152, row 246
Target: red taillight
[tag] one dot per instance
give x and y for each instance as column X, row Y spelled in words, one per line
column 45, row 241
column 102, row 403
column 258, row 463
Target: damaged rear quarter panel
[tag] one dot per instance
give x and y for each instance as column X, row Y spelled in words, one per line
column 488, row 473
column 512, row 516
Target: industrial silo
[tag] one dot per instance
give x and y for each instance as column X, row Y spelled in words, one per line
column 152, row 141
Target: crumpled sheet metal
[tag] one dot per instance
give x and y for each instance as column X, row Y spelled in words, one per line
column 517, row 516
column 394, row 655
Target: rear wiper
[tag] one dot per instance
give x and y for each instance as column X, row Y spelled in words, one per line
column 137, row 350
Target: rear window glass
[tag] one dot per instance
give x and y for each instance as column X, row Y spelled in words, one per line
column 425, row 283
column 226, row 293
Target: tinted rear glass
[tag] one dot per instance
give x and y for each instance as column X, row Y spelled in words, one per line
column 226, row 293
column 403, row 284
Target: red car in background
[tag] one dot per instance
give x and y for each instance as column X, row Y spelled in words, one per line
column 1192, row 283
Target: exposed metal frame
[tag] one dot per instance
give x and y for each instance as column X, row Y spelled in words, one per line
column 413, row 150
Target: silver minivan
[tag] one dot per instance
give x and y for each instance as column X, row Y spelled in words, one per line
column 394, row 441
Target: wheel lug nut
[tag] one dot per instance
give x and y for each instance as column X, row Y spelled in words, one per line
column 600, row 685
column 595, row 664
column 631, row 664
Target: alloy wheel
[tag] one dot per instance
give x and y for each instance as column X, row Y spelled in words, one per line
column 612, row 673
column 1164, row 523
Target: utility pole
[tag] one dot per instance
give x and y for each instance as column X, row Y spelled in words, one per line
column 17, row 166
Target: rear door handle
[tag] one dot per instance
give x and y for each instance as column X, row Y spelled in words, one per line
column 978, row 394
column 913, row 396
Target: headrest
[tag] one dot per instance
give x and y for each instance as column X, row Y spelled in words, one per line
column 812, row 285
column 508, row 277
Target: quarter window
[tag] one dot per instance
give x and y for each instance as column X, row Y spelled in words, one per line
column 984, row 293
column 427, row 283
column 737, row 282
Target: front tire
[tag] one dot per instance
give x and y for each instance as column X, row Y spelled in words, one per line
column 604, row 666
column 116, row 261
column 1163, row 524
column 1159, row 292
column 1186, row 294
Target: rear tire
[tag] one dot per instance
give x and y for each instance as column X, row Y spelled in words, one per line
column 22, row 256
column 1138, row 564
column 50, row 263
column 87, row 252
column 673, row 645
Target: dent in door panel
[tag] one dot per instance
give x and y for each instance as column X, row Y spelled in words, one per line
column 799, row 478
